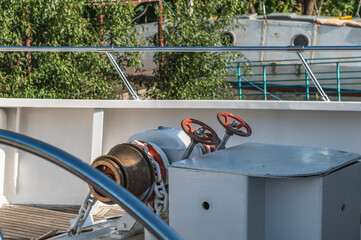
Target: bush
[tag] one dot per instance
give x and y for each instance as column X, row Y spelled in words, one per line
column 196, row 75
column 62, row 23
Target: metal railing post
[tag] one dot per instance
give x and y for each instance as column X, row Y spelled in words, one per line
column 121, row 74
column 264, row 83
column 313, row 78
column 307, row 86
column 338, row 82
column 239, row 81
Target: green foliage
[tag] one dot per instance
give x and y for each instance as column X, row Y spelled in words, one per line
column 62, row 23
column 196, row 75
column 329, row 8
column 284, row 6
column 339, row 8
column 279, row 6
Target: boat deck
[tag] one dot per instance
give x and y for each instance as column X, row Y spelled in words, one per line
column 26, row 222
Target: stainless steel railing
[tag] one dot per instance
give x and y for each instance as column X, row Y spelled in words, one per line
column 92, row 176
column 179, row 49
column 108, row 50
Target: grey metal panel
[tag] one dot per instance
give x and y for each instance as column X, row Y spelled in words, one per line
column 341, row 204
column 226, row 195
column 267, row 160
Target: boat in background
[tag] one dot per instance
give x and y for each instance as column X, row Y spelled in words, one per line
column 281, row 29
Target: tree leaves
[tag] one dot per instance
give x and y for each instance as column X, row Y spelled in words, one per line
column 63, row 23
column 329, row 8
column 195, row 75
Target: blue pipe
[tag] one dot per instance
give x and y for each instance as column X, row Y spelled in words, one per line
column 98, row 180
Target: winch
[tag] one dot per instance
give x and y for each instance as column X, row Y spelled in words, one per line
column 141, row 164
column 134, row 164
column 131, row 164
column 246, row 191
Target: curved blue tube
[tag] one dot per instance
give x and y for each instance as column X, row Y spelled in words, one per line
column 92, row 176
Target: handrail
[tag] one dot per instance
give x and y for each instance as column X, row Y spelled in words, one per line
column 313, row 77
column 179, row 49
column 255, row 85
column 121, row 74
column 285, row 78
column 92, row 176
column 295, row 59
column 109, row 49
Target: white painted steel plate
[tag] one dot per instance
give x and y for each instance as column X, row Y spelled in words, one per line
column 267, row 160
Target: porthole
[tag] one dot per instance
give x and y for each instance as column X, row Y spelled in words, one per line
column 301, row 40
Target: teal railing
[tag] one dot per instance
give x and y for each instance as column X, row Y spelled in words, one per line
column 286, row 79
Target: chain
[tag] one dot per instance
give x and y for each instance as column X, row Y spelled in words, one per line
column 161, row 195
column 84, row 212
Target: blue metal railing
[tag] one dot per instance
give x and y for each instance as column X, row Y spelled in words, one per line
column 92, row 176
column 280, row 78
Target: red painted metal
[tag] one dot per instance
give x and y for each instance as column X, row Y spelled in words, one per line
column 160, row 25
column 225, row 119
column 156, row 156
column 209, row 148
column 207, row 135
column 101, row 21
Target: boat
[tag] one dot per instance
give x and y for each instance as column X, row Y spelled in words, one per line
column 281, row 70
column 236, row 169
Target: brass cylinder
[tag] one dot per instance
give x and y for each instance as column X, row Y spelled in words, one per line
column 129, row 166
column 109, row 167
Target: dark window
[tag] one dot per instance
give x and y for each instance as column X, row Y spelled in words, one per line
column 145, row 13
column 301, row 40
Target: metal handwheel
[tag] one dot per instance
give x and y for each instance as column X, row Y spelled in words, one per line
column 204, row 134
column 237, row 126
column 199, row 135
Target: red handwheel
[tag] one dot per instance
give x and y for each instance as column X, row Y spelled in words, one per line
column 204, row 134
column 237, row 126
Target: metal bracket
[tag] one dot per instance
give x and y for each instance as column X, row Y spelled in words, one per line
column 189, row 150
column 122, row 76
column 222, row 144
column 126, row 222
column 227, row 135
column 298, row 48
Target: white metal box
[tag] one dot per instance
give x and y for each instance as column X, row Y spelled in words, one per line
column 259, row 191
column 172, row 141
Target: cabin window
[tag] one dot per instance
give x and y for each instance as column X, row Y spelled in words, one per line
column 301, row 40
